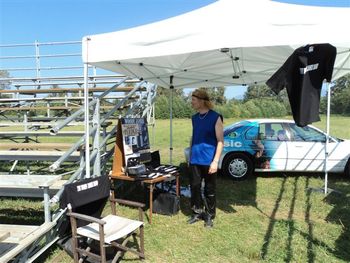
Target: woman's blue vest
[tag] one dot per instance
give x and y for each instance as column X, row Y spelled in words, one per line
column 204, row 140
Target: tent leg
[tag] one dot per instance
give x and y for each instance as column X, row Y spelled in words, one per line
column 326, row 190
column 86, row 115
column 171, row 128
column 327, row 137
column 171, row 120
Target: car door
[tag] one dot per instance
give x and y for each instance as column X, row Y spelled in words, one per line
column 274, row 154
column 307, row 149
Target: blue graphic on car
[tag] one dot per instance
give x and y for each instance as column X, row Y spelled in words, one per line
column 280, row 145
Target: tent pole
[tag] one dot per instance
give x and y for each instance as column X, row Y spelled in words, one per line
column 327, row 137
column 327, row 190
column 86, row 113
column 171, row 119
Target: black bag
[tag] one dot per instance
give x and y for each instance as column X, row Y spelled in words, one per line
column 166, row 204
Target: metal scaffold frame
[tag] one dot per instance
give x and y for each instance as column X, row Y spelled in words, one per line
column 93, row 92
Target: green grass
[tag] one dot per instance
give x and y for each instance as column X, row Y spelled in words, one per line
column 267, row 218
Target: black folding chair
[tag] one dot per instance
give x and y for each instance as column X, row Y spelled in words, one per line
column 91, row 234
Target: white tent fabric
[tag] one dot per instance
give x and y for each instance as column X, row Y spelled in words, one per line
column 222, row 44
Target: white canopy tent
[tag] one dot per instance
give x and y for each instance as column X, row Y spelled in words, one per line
column 223, row 44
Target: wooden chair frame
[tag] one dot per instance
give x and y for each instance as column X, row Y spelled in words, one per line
column 121, row 246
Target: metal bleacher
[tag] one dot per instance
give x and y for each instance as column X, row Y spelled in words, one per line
column 41, row 131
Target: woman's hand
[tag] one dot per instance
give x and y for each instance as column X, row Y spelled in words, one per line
column 213, row 167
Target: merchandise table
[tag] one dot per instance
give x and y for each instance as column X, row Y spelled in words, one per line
column 151, row 182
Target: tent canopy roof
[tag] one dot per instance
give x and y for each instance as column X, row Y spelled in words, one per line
column 225, row 43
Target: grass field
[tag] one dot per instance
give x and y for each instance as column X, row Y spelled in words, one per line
column 268, row 218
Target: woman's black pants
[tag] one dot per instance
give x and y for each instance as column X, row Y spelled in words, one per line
column 208, row 200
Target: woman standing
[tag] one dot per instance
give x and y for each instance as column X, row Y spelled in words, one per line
column 206, row 148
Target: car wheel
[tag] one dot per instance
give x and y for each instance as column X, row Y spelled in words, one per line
column 347, row 169
column 238, row 166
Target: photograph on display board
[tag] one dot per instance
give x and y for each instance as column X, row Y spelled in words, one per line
column 135, row 137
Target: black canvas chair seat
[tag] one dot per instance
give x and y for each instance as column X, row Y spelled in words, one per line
column 87, row 196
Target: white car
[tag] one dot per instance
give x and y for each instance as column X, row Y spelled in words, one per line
column 280, row 145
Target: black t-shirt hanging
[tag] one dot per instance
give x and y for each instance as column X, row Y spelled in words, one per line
column 302, row 74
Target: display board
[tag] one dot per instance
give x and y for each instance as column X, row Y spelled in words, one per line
column 135, row 135
column 132, row 143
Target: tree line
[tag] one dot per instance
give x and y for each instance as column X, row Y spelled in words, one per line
column 259, row 101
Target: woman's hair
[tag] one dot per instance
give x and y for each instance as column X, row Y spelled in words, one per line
column 203, row 95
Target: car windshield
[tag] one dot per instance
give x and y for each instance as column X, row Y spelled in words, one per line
column 234, row 127
column 252, row 133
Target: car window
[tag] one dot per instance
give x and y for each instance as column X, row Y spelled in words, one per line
column 267, row 132
column 273, row 132
column 306, row 133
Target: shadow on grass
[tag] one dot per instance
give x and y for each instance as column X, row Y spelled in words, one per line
column 338, row 197
column 21, row 216
column 268, row 234
column 340, row 214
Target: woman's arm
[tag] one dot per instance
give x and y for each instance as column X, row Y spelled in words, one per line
column 219, row 132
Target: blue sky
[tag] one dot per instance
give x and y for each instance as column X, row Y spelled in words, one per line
column 25, row 21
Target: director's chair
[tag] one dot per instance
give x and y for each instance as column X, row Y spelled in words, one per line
column 91, row 235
